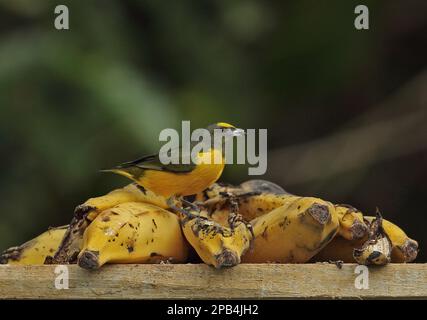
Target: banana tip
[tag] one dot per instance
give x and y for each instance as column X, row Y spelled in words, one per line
column 358, row 230
column 227, row 258
column 89, row 260
column 320, row 213
column 410, row 250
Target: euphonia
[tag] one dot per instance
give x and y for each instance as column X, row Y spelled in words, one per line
column 178, row 180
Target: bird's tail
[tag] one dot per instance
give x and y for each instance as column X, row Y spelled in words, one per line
column 123, row 172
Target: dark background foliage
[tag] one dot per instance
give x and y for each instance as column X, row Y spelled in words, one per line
column 345, row 109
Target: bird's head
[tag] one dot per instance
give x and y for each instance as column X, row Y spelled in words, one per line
column 227, row 129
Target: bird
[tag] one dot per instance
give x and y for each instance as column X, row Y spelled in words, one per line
column 176, row 180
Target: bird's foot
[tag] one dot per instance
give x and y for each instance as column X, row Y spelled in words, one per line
column 181, row 210
column 193, row 205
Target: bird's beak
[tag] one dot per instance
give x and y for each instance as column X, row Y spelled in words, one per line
column 238, row 132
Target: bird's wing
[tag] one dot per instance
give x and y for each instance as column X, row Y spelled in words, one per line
column 152, row 162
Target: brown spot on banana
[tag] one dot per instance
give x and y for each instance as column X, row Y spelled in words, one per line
column 409, row 250
column 320, row 213
column 227, row 258
column 358, row 230
column 71, row 242
column 82, row 210
column 264, row 234
column 352, row 224
column 89, row 260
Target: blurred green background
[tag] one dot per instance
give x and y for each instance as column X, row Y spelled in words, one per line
column 345, row 109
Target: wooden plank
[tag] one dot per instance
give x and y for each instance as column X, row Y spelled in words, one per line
column 199, row 281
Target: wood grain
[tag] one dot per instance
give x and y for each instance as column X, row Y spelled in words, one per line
column 199, row 281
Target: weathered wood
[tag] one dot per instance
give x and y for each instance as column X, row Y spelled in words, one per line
column 190, row 281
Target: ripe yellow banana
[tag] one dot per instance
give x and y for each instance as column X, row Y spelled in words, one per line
column 89, row 210
column 294, row 232
column 129, row 193
column 35, row 251
column 215, row 243
column 133, row 232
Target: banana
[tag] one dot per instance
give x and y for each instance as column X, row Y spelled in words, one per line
column 352, row 225
column 255, row 186
column 404, row 249
column 215, row 243
column 133, row 232
column 254, row 206
column 35, row 251
column 89, row 210
column 294, row 232
column 129, row 193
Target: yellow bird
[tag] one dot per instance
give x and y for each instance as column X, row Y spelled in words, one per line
column 177, row 180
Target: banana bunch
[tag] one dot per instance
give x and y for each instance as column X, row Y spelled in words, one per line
column 392, row 245
column 36, row 250
column 286, row 228
column 366, row 240
column 85, row 213
column 254, row 222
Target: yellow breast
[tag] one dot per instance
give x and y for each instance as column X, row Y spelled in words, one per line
column 170, row 184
